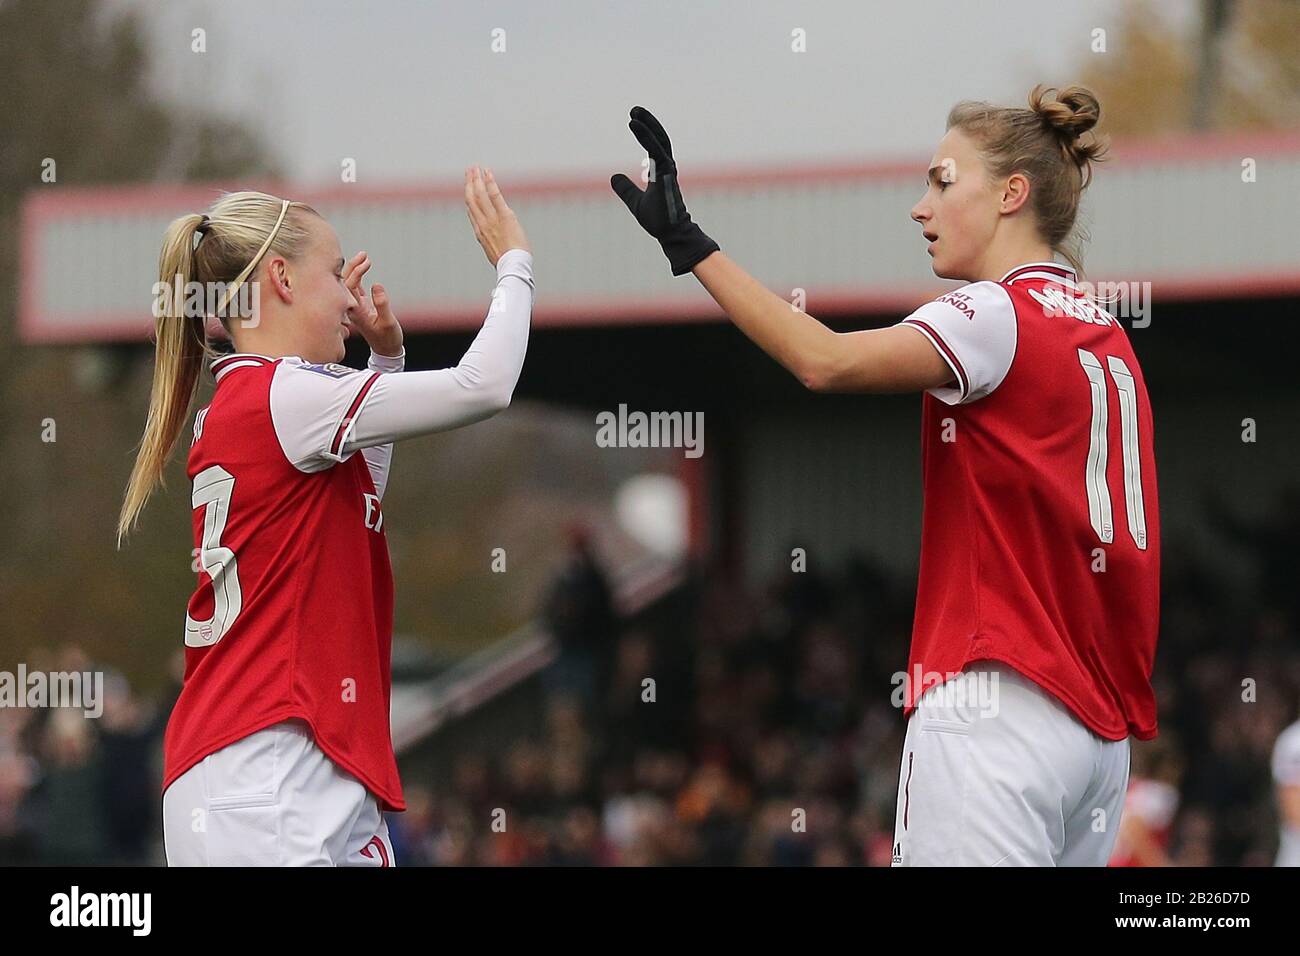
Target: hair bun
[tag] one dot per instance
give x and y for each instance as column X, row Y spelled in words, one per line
column 1071, row 112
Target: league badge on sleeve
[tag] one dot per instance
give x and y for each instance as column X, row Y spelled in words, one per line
column 332, row 369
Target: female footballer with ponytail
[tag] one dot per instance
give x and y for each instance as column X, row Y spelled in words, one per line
column 278, row 751
column 1037, row 605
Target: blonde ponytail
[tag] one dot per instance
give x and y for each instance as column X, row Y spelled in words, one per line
column 178, row 359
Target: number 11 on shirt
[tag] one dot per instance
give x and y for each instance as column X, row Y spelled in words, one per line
column 1099, row 506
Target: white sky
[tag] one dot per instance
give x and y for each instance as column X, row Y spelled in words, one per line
column 413, row 92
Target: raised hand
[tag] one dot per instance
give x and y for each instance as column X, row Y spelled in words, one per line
column 659, row 208
column 495, row 226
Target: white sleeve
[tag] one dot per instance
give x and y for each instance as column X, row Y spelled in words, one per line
column 974, row 329
column 1286, row 757
column 380, row 457
column 324, row 413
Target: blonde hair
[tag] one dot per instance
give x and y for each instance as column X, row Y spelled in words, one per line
column 234, row 236
column 1045, row 143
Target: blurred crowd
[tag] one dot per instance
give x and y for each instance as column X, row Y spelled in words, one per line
column 733, row 727
column 738, row 729
column 77, row 790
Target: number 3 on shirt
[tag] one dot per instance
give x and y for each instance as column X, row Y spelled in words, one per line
column 213, row 488
column 1099, row 510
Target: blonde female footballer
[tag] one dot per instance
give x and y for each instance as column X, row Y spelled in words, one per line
column 1037, row 602
column 278, row 751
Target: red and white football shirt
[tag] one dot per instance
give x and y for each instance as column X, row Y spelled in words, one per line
column 293, row 613
column 1040, row 543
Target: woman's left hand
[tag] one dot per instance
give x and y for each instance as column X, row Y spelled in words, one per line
column 372, row 315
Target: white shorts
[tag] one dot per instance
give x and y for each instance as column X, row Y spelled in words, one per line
column 997, row 772
column 273, row 799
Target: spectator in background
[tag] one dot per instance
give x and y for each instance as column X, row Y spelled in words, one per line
column 70, row 795
column 1150, row 806
column 18, row 838
column 579, row 614
column 128, row 735
column 1286, row 779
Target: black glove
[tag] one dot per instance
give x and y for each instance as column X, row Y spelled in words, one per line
column 660, row 209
